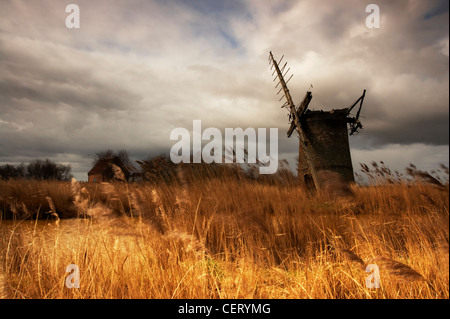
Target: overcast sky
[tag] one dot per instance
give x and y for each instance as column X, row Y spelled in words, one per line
column 135, row 70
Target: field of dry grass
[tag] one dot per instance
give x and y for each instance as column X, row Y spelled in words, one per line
column 223, row 238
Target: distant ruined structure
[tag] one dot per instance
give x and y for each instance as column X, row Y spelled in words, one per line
column 324, row 161
column 108, row 169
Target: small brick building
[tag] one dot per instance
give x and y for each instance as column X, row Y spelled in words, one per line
column 101, row 172
column 97, row 173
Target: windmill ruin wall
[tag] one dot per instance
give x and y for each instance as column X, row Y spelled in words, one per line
column 328, row 150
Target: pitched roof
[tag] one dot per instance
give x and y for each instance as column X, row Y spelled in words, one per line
column 102, row 164
column 99, row 167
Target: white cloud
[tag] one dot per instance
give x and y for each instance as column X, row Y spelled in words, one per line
column 443, row 47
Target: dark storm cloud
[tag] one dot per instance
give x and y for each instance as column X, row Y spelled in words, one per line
column 42, row 77
column 431, row 129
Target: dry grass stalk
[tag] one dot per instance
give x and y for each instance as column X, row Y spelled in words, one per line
column 160, row 212
column 81, row 198
column 52, row 211
column 191, row 244
column 135, row 205
column 84, row 205
column 352, row 257
column 443, row 247
column 118, row 173
column 4, row 283
column 397, row 269
column 4, row 290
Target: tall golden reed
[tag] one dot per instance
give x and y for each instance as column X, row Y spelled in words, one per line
column 210, row 237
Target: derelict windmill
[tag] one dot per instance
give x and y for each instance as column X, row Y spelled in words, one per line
column 324, row 161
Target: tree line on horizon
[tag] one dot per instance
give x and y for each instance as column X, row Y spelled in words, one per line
column 47, row 169
column 37, row 170
column 157, row 169
column 160, row 169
